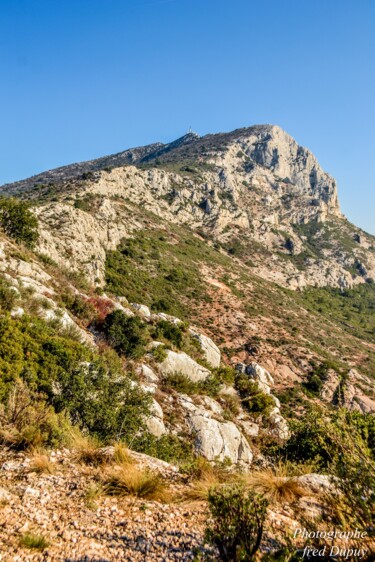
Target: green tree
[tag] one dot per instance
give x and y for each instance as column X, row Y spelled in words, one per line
column 18, row 221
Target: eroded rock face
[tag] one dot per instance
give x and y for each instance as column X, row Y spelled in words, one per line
column 183, row 364
column 216, row 440
column 211, row 351
column 350, row 393
column 258, row 179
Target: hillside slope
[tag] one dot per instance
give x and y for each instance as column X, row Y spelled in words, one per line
column 192, row 300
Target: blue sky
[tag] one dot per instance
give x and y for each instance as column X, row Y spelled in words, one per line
column 83, row 78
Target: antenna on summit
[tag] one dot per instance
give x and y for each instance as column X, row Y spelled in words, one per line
column 190, row 130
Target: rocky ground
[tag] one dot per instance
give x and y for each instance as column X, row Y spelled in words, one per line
column 58, row 507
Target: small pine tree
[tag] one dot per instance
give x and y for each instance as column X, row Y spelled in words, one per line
column 18, row 222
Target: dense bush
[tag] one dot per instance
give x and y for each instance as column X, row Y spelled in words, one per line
column 159, row 353
column 238, row 517
column 92, row 389
column 171, row 332
column 26, row 421
column 317, row 377
column 18, row 221
column 182, row 384
column 102, row 400
column 342, row 445
column 127, row 335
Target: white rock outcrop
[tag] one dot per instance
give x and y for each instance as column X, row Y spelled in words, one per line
column 216, row 440
column 211, row 352
column 155, row 422
column 183, row 364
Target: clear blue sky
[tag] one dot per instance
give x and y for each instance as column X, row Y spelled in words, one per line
column 83, row 78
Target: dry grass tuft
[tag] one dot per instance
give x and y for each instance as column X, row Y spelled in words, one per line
column 199, row 489
column 277, row 485
column 88, row 451
column 41, row 463
column 121, row 454
column 129, row 480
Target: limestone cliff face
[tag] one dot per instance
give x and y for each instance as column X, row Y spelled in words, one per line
column 254, row 185
column 277, row 151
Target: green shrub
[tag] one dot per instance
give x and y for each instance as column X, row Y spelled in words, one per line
column 182, row 384
column 169, row 448
column 18, row 221
column 317, row 377
column 79, row 307
column 102, row 400
column 238, row 517
column 259, row 403
column 253, row 399
column 92, row 389
column 127, row 335
column 342, row 445
column 159, row 353
column 224, row 374
column 8, row 295
column 172, row 332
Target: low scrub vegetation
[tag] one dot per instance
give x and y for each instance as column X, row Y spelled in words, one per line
column 253, row 399
column 238, row 517
column 53, row 381
column 127, row 335
column 160, row 270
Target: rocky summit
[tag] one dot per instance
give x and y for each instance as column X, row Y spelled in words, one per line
column 176, row 318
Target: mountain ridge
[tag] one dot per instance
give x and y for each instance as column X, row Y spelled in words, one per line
column 255, row 189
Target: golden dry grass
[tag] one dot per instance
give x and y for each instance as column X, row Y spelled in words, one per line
column 130, row 480
column 198, row 490
column 88, row 450
column 279, row 485
column 40, row 462
column 121, row 454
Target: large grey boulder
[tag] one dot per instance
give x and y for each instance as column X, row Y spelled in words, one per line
column 183, row 364
column 211, row 352
column 216, row 440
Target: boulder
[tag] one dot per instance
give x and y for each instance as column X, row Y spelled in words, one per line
column 316, row 483
column 142, row 309
column 216, row 440
column 148, row 374
column 260, row 374
column 211, row 352
column 167, row 317
column 183, row 364
column 154, row 422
